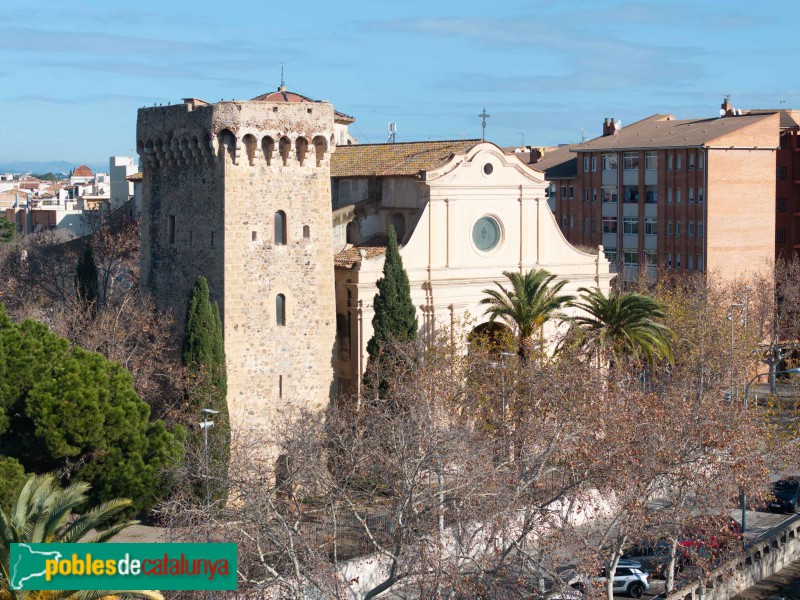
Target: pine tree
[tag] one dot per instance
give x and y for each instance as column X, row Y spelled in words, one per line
column 204, row 359
column 395, row 317
column 8, row 230
column 86, row 277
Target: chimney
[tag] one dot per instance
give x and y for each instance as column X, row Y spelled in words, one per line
column 608, row 126
column 535, row 155
column 727, row 107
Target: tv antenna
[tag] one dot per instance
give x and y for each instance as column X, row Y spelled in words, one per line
column 283, row 83
column 522, row 135
column 582, row 131
column 391, row 132
column 484, row 115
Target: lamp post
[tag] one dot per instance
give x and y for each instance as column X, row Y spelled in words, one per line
column 793, row 371
column 502, row 366
column 205, row 426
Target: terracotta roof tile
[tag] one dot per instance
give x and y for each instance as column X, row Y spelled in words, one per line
column 663, row 131
column 789, row 118
column 375, row 246
column 82, row 171
column 403, row 159
column 281, row 95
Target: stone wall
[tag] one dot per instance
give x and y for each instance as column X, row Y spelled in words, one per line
column 214, row 177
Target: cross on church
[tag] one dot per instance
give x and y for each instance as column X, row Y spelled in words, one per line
column 484, row 115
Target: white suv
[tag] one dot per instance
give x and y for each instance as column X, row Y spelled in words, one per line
column 629, row 578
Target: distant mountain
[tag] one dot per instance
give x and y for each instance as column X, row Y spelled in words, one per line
column 54, row 166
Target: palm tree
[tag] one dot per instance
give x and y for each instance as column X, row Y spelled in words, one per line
column 623, row 324
column 527, row 306
column 42, row 513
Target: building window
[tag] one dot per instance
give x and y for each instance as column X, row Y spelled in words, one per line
column 701, row 159
column 669, row 260
column 191, row 238
column 699, row 229
column 677, row 196
column 306, row 232
column 669, row 227
column 586, row 226
column 571, row 222
column 631, row 194
column 609, row 224
column 585, row 164
column 651, row 194
column 280, row 228
column 677, row 229
column 782, row 173
column 563, row 221
column 650, row 226
column 594, row 225
column 699, row 262
column 690, row 229
column 399, row 224
column 571, row 192
column 780, row 205
column 630, row 161
column 699, row 195
column 563, row 192
column 253, row 236
column 609, row 162
column 631, row 258
column 689, row 262
column 280, row 310
column 677, row 261
column 594, row 164
column 212, row 239
column 669, row 161
column 651, row 160
column 610, row 193
column 690, row 196
column 611, row 255
column 172, row 229
column 630, row 225
column 690, row 160
column 669, row 195
column 677, row 162
column 780, row 236
column 585, row 194
column 650, row 258
column 594, row 194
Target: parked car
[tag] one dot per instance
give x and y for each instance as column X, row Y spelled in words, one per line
column 629, row 578
column 653, row 555
column 785, row 496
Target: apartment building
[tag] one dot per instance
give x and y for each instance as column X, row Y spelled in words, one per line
column 787, row 184
column 695, row 194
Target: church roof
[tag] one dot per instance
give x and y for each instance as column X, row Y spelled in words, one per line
column 400, row 160
column 82, row 171
column 281, row 95
column 375, row 246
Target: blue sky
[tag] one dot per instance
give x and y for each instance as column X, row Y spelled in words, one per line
column 73, row 74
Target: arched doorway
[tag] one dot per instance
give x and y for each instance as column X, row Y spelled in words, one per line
column 493, row 338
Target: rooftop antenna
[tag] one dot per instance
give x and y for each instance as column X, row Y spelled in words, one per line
column 484, row 115
column 391, row 131
column 283, row 83
column 522, row 135
column 582, row 131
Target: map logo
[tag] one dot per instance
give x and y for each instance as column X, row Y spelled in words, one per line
column 122, row 567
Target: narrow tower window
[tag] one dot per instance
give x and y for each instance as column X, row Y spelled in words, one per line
column 280, row 310
column 172, row 229
column 280, row 228
column 306, row 231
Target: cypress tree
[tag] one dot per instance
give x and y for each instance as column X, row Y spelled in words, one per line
column 204, row 359
column 86, row 277
column 395, row 317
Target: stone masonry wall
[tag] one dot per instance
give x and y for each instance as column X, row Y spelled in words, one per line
column 223, row 171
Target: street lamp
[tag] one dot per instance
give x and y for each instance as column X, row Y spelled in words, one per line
column 502, row 366
column 793, row 371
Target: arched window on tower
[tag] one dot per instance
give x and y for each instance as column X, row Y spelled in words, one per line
column 280, row 310
column 280, row 228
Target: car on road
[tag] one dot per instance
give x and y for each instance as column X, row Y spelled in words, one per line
column 653, row 555
column 629, row 578
column 785, row 496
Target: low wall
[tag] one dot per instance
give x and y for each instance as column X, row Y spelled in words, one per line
column 764, row 556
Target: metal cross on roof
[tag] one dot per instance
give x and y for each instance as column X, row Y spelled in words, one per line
column 484, row 115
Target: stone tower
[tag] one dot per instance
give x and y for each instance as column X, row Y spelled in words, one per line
column 240, row 192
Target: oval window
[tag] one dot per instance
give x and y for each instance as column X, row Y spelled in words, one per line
column 486, row 234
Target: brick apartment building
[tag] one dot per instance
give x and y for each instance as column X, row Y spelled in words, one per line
column 697, row 194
